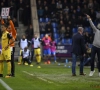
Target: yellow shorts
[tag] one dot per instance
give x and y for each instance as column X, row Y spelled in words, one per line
column 37, row 51
column 5, row 55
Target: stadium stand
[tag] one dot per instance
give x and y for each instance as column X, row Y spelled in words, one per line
column 68, row 13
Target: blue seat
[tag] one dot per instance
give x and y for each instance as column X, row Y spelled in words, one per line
column 74, row 30
column 54, row 30
column 41, row 20
column 56, row 40
column 69, row 41
column 54, row 25
column 88, row 29
column 64, row 41
column 47, row 20
column 56, row 35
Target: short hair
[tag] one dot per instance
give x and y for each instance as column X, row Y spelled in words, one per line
column 80, row 28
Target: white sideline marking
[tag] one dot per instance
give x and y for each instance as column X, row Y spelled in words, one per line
column 38, row 77
column 5, row 85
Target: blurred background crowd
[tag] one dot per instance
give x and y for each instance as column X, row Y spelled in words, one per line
column 58, row 18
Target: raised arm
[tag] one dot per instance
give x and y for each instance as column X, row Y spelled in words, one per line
column 91, row 23
column 14, row 33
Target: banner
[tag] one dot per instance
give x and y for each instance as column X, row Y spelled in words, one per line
column 63, row 50
column 5, row 12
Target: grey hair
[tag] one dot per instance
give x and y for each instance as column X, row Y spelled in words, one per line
column 80, row 28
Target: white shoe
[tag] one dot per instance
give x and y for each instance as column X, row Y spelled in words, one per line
column 91, row 73
column 99, row 74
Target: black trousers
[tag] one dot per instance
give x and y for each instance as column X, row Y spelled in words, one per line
column 12, row 62
column 26, row 60
column 95, row 51
column 32, row 54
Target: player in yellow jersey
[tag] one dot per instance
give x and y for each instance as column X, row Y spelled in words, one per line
column 6, row 51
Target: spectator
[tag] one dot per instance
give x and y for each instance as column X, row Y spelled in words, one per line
column 90, row 4
column 93, row 15
column 72, row 3
column 54, row 18
column 39, row 4
column 1, row 6
column 70, row 25
column 21, row 4
column 61, row 18
column 49, row 28
column 59, row 5
column 98, row 16
column 74, row 12
column 85, row 9
column 62, row 32
column 79, row 12
column 21, row 8
column 46, row 12
column 60, row 25
column 27, row 14
column 65, row 3
column 66, row 9
column 84, row 2
column 42, row 28
column 29, row 32
column 53, row 6
column 71, row 9
column 74, row 21
column 15, row 22
column 78, row 3
column 11, row 4
column 80, row 21
column 87, row 37
column 96, row 5
column 5, row 3
column 40, row 12
column 68, row 33
column 66, row 19
column 45, row 4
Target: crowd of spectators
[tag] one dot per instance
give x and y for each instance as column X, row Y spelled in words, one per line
column 68, row 14
column 19, row 9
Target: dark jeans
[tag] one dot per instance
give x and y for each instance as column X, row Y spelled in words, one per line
column 74, row 59
column 86, row 60
column 95, row 51
column 26, row 60
column 12, row 62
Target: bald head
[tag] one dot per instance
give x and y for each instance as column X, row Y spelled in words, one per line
column 46, row 35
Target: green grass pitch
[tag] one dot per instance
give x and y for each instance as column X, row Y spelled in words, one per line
column 51, row 77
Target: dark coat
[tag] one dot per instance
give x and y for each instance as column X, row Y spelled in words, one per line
column 78, row 44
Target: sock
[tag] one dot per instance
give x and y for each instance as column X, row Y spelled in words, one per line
column 39, row 59
column 8, row 67
column 20, row 59
column 55, row 58
column 1, row 67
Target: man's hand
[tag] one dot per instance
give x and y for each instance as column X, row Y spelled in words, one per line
column 88, row 16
